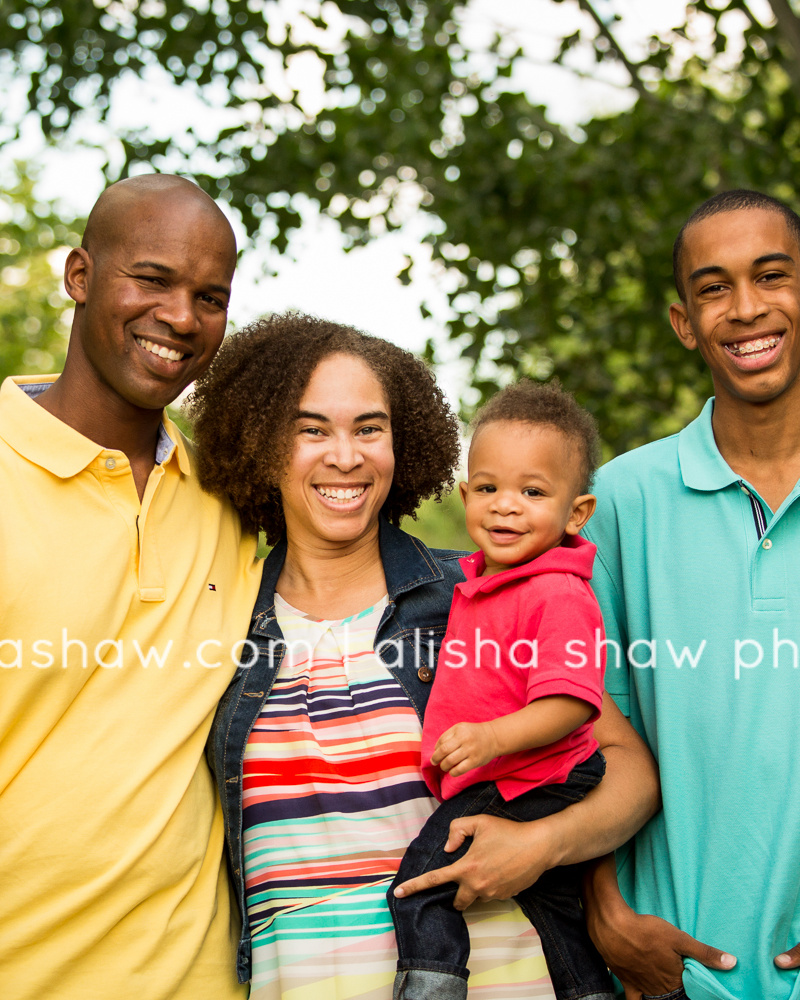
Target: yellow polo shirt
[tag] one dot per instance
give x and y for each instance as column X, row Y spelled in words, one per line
column 118, row 631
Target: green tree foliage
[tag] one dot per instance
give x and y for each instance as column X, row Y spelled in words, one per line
column 33, row 321
column 440, row 524
column 560, row 239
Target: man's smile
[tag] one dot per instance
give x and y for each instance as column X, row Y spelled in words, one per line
column 757, row 345
column 160, row 350
column 754, row 353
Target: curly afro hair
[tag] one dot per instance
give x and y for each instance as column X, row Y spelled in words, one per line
column 547, row 404
column 244, row 407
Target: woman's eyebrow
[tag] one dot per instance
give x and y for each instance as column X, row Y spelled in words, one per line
column 372, row 415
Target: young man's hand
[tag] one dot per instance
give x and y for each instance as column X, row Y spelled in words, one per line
column 644, row 952
column 789, row 959
column 465, row 746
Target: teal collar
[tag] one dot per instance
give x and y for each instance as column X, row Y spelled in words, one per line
column 702, row 466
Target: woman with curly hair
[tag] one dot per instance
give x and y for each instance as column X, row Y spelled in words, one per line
column 324, row 437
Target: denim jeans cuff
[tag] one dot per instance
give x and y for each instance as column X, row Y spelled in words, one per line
column 428, row 984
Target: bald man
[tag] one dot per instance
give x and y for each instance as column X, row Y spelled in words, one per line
column 123, row 593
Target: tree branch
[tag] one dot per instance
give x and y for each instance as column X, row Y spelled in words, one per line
column 602, row 29
column 581, row 74
column 789, row 28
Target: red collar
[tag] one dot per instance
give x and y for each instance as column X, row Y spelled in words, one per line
column 575, row 555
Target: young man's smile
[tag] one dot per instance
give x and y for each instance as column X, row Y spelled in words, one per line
column 741, row 276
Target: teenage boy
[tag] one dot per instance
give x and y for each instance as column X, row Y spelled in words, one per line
column 698, row 540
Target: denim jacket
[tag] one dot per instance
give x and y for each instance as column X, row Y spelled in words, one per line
column 420, row 585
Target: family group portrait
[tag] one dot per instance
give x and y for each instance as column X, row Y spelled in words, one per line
column 399, row 500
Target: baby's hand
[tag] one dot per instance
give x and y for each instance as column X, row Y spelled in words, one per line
column 465, row 746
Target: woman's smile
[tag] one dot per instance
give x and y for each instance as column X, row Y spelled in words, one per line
column 342, row 496
column 340, row 493
column 341, row 466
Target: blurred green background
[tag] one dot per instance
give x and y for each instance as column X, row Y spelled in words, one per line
column 546, row 223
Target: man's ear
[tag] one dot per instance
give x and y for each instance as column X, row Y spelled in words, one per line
column 679, row 318
column 582, row 509
column 76, row 274
column 462, row 489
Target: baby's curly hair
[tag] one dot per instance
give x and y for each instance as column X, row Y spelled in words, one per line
column 547, row 404
column 243, row 409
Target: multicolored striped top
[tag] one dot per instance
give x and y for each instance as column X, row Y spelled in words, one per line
column 333, row 793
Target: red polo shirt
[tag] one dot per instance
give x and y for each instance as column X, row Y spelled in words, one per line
column 528, row 632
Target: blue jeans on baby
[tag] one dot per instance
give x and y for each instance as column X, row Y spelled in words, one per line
column 432, row 937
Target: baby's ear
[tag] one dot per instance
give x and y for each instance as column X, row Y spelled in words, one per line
column 462, row 489
column 582, row 509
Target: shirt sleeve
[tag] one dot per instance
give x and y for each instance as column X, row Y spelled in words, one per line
column 603, row 530
column 570, row 655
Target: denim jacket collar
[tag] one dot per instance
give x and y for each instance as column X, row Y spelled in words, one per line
column 407, row 564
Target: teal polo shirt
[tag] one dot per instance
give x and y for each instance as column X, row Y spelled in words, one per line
column 699, row 584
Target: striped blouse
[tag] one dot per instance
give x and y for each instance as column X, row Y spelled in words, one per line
column 333, row 793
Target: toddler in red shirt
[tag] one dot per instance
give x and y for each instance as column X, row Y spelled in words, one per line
column 519, row 682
